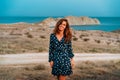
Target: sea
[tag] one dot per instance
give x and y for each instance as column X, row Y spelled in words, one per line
column 107, row 23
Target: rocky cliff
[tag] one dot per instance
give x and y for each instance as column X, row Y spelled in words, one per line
column 73, row 20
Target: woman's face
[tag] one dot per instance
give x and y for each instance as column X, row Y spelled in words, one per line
column 62, row 26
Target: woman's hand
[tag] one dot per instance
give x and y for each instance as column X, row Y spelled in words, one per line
column 72, row 63
column 51, row 64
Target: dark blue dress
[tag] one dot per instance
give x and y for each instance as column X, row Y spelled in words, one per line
column 60, row 53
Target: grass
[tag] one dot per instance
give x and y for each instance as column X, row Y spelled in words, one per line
column 42, row 36
column 75, row 39
column 22, row 45
column 29, row 35
column 41, row 49
column 86, row 70
column 20, row 38
column 86, row 39
column 97, row 41
column 83, row 35
column 97, row 71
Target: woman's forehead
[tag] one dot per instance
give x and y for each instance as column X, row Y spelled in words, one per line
column 64, row 22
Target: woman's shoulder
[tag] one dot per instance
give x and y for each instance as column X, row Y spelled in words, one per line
column 52, row 35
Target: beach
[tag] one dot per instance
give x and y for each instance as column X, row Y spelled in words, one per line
column 24, row 51
column 25, row 37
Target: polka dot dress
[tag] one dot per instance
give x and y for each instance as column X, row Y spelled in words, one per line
column 60, row 53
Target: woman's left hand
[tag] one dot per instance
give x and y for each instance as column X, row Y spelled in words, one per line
column 72, row 63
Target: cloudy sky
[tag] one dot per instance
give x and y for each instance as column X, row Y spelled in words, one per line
column 103, row 8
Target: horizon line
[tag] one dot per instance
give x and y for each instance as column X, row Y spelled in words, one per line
column 59, row 16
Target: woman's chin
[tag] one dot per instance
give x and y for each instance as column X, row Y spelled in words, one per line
column 61, row 30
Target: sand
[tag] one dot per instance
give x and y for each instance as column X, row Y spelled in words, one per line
column 30, row 58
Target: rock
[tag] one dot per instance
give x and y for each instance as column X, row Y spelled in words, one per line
column 73, row 20
column 48, row 22
column 116, row 31
column 82, row 20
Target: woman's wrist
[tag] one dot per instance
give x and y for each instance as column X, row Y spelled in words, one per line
column 72, row 62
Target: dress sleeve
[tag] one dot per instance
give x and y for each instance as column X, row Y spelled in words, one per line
column 51, row 48
column 70, row 50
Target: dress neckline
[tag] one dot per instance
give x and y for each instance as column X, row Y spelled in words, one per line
column 58, row 39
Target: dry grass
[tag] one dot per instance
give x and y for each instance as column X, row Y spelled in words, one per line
column 97, row 71
column 100, row 70
column 27, row 38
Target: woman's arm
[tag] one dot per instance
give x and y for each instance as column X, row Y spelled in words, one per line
column 51, row 50
column 72, row 62
column 70, row 51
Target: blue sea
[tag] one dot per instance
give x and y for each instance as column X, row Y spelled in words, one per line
column 107, row 23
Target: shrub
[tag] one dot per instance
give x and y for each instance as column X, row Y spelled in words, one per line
column 98, row 41
column 83, row 35
column 29, row 35
column 75, row 39
column 42, row 36
column 86, row 39
column 41, row 49
column 39, row 67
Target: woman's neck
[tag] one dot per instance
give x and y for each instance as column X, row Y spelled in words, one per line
column 61, row 33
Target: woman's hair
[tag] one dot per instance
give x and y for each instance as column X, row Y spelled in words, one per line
column 67, row 31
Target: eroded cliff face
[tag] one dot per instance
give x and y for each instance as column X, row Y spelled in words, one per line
column 82, row 20
column 73, row 20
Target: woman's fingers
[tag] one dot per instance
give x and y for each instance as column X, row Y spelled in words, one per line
column 51, row 64
column 72, row 63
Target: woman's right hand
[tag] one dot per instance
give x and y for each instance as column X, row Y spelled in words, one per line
column 51, row 64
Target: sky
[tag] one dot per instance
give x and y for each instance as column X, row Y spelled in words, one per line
column 100, row 8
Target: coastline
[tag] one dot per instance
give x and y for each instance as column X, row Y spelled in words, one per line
column 34, row 38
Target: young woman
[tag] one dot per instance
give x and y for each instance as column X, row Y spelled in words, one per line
column 60, row 50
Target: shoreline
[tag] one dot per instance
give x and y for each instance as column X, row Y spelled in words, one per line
column 34, row 38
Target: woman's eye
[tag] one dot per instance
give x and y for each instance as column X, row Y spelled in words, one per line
column 64, row 25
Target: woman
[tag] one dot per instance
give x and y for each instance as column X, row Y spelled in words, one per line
column 60, row 50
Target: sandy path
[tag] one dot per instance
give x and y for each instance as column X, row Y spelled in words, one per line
column 29, row 58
